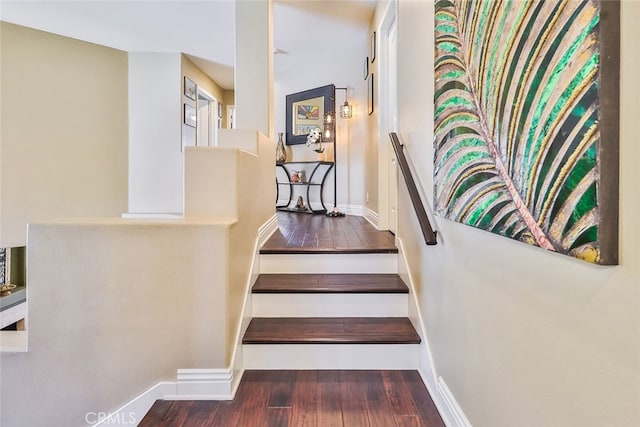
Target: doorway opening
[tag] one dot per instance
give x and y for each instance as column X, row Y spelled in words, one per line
column 207, row 123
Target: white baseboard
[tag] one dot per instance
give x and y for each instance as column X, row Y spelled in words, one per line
column 357, row 210
column 454, row 409
column 132, row 413
column 451, row 414
column 267, row 229
column 372, row 217
column 204, row 384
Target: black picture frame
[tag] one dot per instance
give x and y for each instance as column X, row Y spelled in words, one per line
column 190, row 116
column 370, row 103
column 190, row 88
column 328, row 92
column 366, row 67
column 372, row 47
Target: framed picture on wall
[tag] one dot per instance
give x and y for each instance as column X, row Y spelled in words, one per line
column 219, row 110
column 366, row 67
column 372, row 47
column 370, row 94
column 190, row 116
column 190, row 88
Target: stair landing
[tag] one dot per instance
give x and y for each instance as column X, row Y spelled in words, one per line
column 318, row 234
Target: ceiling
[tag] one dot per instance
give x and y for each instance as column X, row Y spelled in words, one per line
column 204, row 30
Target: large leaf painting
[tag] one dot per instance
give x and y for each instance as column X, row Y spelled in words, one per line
column 526, row 107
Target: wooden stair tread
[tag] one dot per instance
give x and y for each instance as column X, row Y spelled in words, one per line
column 344, row 251
column 330, row 330
column 329, row 283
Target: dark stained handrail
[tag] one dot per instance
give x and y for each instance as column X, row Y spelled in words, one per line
column 421, row 213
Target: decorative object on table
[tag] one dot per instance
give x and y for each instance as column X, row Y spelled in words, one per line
column 314, row 140
column 6, row 289
column 190, row 88
column 190, row 116
column 300, row 203
column 526, row 133
column 281, row 153
column 295, row 176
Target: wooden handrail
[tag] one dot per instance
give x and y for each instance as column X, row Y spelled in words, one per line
column 423, row 219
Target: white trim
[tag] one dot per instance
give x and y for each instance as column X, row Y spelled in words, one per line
column 329, row 305
column 454, row 408
column 357, row 210
column 372, row 217
column 335, row 263
column 13, row 314
column 204, row 384
column 267, row 229
column 148, row 215
column 137, row 408
column 331, row 356
column 426, row 367
column 13, row 342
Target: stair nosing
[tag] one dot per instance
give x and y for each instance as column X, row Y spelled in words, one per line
column 322, row 284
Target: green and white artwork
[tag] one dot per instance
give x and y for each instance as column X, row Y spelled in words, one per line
column 526, row 121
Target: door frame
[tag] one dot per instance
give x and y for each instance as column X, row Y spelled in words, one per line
column 212, row 119
column 385, row 150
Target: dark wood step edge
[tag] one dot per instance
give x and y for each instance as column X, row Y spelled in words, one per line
column 329, row 284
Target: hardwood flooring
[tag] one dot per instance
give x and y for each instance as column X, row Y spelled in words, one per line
column 313, row 234
column 329, row 283
column 330, row 330
column 309, row 398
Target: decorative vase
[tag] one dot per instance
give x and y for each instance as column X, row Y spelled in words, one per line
column 281, row 153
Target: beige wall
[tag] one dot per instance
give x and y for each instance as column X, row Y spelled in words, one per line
column 114, row 308
column 522, row 336
column 64, row 130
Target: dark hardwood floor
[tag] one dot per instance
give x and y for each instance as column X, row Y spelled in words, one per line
column 304, row 233
column 309, row 398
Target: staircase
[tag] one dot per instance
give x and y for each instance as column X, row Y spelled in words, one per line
column 330, row 310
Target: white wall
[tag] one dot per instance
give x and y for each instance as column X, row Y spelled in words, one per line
column 116, row 306
column 520, row 335
column 155, row 118
column 341, row 66
column 64, row 130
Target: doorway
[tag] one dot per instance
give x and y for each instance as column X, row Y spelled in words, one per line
column 207, row 122
column 388, row 121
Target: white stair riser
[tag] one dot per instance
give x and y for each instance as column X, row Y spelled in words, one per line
column 330, row 305
column 329, row 263
column 331, row 356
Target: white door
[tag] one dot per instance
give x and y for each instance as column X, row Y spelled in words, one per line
column 392, row 123
column 207, row 129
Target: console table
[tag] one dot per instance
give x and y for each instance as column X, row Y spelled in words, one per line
column 316, row 176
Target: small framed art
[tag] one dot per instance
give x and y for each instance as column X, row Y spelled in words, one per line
column 190, row 88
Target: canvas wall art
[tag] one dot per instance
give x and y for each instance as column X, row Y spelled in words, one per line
column 526, row 121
